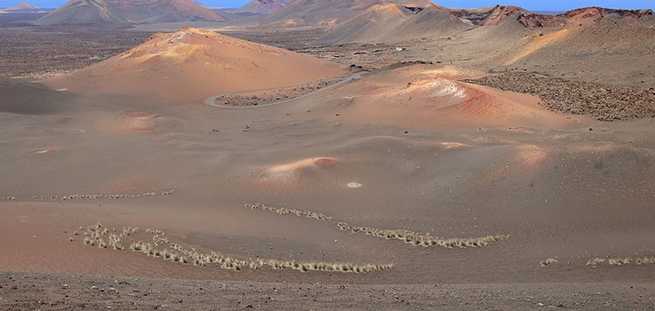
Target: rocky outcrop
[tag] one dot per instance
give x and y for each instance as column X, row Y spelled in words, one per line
column 501, row 14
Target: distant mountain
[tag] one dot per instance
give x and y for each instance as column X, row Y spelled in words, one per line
column 264, row 6
column 393, row 22
column 128, row 11
column 22, row 6
column 329, row 13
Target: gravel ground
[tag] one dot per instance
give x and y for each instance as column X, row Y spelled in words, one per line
column 605, row 103
column 20, row 291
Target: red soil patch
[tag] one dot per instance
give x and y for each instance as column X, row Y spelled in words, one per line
column 411, row 98
column 293, row 172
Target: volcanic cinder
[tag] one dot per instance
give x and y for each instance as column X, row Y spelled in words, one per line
column 192, row 64
column 326, row 155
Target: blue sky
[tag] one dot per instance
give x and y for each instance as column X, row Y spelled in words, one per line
column 551, row 5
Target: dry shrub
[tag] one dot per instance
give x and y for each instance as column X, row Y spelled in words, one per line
column 621, row 261
column 93, row 196
column 288, row 211
column 160, row 246
column 407, row 236
column 548, row 262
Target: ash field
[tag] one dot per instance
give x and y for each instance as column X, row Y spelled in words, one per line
column 332, row 155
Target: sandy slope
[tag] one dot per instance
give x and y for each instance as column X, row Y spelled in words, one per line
column 439, row 181
column 393, row 22
column 264, row 6
column 193, row 64
column 431, row 97
column 457, row 162
column 599, row 48
column 328, row 13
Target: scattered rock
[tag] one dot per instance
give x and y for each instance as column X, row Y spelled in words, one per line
column 548, row 262
column 602, row 102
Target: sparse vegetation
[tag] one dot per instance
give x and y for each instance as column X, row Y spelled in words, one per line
column 273, row 96
column 8, row 198
column 288, row 211
column 159, row 246
column 407, row 236
column 91, row 196
column 621, row 261
column 422, row 239
column 603, row 102
column 548, row 262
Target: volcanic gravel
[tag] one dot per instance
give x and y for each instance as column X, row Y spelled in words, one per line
column 605, row 103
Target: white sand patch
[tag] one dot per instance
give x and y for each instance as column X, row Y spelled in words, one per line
column 453, row 145
column 447, row 88
column 437, row 88
column 354, row 185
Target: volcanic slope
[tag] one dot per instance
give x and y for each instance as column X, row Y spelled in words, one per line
column 429, row 97
column 394, row 22
column 132, row 11
column 193, row 64
column 329, row 13
column 264, row 6
column 609, row 46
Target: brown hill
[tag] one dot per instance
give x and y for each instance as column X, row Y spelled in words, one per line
column 264, row 6
column 579, row 17
column 371, row 26
column 192, row 64
column 128, row 11
column 594, row 14
column 429, row 22
column 614, row 48
column 329, row 13
column 493, row 16
column 501, row 14
column 393, row 22
column 429, row 96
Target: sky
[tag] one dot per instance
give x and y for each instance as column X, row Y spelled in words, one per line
column 538, row 5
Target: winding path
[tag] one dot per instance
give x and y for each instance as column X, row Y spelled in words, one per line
column 211, row 101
